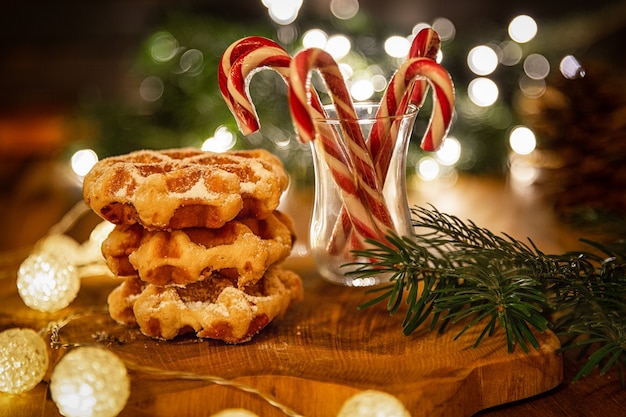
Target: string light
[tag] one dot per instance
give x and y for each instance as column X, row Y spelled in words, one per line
column 482, row 91
column 314, row 38
column 47, row 282
column 482, row 60
column 90, row 381
column 536, row 66
column 23, row 360
column 344, row 9
column 522, row 140
column 428, row 169
column 571, row 68
column 283, row 12
column 82, row 161
column 522, row 28
column 397, row 46
column 373, row 403
column 338, row 46
column 362, row 90
column 450, row 152
column 222, row 140
column 445, row 28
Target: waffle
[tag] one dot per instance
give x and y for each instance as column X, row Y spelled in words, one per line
column 243, row 249
column 181, row 188
column 213, row 308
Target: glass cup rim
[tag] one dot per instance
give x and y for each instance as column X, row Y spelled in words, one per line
column 410, row 112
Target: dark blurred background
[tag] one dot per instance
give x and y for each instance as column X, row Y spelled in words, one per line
column 71, row 73
column 56, row 53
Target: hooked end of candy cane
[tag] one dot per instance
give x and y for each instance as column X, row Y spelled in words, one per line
column 429, row 146
column 247, row 123
column 432, row 141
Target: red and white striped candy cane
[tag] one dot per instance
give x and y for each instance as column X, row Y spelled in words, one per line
column 248, row 54
column 381, row 141
column 443, row 96
column 425, row 44
column 369, row 193
column 238, row 64
column 401, row 89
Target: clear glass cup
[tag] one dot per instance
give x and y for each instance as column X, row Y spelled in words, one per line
column 331, row 236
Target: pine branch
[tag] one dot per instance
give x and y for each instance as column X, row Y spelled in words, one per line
column 454, row 273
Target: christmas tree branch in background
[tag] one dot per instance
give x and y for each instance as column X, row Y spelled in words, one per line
column 456, row 273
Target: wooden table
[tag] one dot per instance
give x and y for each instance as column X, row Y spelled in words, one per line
column 333, row 362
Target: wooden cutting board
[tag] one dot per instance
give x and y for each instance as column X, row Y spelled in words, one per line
column 312, row 360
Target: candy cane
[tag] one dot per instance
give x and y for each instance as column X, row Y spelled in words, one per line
column 381, row 140
column 247, row 55
column 425, row 44
column 299, row 103
column 238, row 64
column 443, row 96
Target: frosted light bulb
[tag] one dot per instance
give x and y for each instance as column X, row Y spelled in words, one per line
column 23, row 360
column 373, row 403
column 90, row 381
column 47, row 282
column 61, row 246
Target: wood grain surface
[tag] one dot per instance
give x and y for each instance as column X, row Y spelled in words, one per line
column 312, row 360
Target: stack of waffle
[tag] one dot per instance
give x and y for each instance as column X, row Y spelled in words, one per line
column 198, row 241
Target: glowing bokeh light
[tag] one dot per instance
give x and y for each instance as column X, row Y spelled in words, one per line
column 362, row 90
column 283, row 12
column 511, row 53
column 522, row 28
column 47, row 283
column 163, row 46
column 450, row 151
column 223, row 139
column 191, row 62
column 397, row 46
column 314, row 38
column 90, row 381
column 482, row 91
column 536, row 66
column 338, row 46
column 571, row 68
column 428, row 169
column 344, row 9
column 379, row 82
column 522, row 173
column 418, row 27
column 372, row 403
column 151, row 88
column 82, row 161
column 532, row 88
column 482, row 60
column 346, row 70
column 23, row 360
column 522, row 140
column 445, row 28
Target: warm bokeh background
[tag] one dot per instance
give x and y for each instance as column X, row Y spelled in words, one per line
column 73, row 74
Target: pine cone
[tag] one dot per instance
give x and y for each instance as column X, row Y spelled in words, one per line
column 580, row 126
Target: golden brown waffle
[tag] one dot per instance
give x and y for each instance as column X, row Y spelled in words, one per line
column 214, row 309
column 180, row 188
column 242, row 249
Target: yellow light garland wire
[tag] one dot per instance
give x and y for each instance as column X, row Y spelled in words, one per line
column 55, row 328
column 15, row 256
